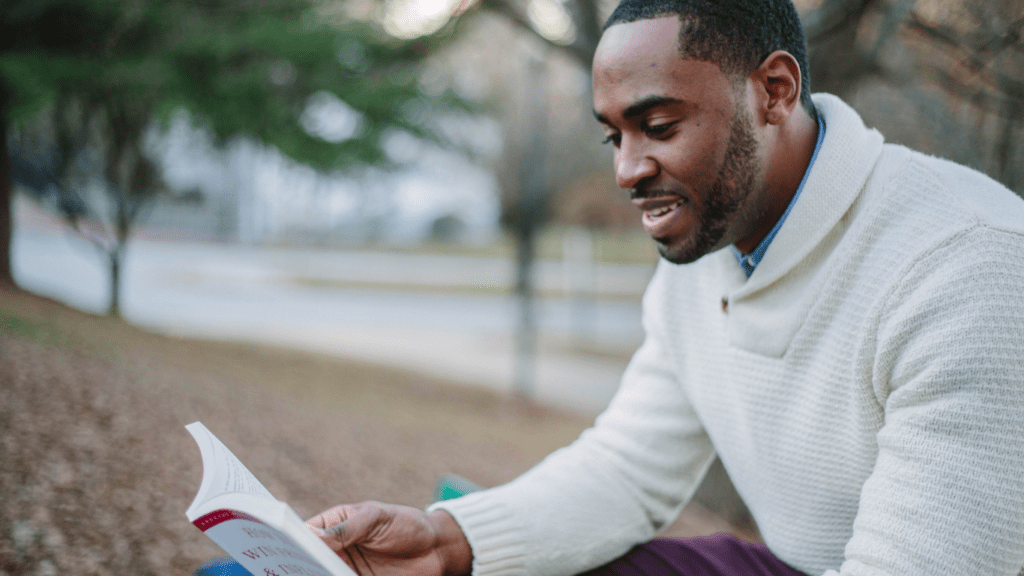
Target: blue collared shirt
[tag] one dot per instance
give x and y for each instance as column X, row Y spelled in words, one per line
column 750, row 261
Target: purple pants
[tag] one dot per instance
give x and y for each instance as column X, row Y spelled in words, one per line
column 720, row 555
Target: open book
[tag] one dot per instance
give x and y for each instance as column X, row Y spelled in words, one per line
column 262, row 533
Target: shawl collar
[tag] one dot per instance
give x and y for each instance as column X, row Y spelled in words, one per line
column 766, row 310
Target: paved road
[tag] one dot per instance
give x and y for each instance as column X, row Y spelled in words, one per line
column 429, row 313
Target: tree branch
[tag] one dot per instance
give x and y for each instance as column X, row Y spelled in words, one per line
column 894, row 17
column 941, row 34
column 832, row 18
column 582, row 49
column 588, row 29
column 1009, row 95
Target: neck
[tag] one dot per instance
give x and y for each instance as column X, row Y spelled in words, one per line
column 789, row 155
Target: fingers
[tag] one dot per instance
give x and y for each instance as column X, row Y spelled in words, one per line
column 329, row 518
column 349, row 524
column 384, row 539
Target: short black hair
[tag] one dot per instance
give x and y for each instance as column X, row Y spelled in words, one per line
column 735, row 34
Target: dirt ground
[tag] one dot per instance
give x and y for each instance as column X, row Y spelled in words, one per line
column 96, row 468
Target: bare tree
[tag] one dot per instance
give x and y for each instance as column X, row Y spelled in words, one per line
column 982, row 63
column 940, row 57
column 82, row 145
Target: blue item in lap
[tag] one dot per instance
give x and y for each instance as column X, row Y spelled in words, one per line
column 221, row 567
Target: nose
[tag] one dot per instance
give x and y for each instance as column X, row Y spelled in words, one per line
column 632, row 164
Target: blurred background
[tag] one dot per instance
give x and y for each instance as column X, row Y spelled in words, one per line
column 412, row 182
column 414, row 188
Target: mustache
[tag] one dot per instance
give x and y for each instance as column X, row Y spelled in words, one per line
column 649, row 192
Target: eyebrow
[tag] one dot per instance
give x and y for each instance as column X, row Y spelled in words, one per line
column 641, row 106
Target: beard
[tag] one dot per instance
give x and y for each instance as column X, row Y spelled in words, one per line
column 725, row 199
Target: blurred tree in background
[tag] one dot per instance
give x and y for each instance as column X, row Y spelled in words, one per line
column 89, row 80
column 943, row 76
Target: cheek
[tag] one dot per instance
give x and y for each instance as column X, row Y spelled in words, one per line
column 709, row 154
column 693, row 159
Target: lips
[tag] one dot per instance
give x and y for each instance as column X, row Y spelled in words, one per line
column 660, row 214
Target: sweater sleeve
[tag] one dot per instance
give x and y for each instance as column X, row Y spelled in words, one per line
column 614, row 487
column 946, row 495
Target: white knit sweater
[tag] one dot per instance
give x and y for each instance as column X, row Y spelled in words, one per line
column 864, row 388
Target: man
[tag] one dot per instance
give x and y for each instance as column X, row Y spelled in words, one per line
column 840, row 320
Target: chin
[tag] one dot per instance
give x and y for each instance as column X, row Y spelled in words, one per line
column 678, row 255
column 690, row 249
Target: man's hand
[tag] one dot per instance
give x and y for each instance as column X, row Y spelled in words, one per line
column 377, row 539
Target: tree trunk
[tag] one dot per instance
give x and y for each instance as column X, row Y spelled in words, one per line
column 1005, row 145
column 533, row 185
column 123, row 218
column 115, row 282
column 6, row 191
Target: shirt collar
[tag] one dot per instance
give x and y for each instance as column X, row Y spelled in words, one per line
column 750, row 261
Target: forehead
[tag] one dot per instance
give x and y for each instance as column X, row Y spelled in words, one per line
column 640, row 60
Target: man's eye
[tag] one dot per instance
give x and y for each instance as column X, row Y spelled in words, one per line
column 612, row 139
column 658, row 129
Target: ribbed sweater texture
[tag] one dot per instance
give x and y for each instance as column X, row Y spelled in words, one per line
column 864, row 388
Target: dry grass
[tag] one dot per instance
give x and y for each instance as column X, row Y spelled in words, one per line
column 96, row 468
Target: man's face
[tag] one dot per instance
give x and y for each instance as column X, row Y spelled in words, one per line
column 684, row 142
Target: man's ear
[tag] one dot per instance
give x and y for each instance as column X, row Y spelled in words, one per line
column 778, row 83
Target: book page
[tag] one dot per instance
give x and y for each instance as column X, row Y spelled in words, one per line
column 223, row 472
